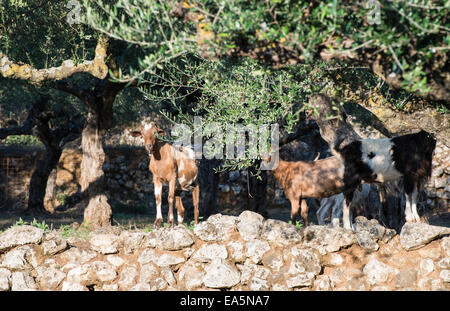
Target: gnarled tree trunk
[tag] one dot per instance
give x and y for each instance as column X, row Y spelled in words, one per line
column 98, row 212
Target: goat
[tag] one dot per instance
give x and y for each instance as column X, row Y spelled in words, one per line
column 386, row 159
column 170, row 165
column 308, row 179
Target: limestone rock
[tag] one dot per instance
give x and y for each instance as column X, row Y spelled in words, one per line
column 378, row 272
column 105, row 243
column 191, row 274
column 416, row 235
column 236, row 250
column 161, row 259
column 104, row 272
column 49, row 277
column 426, row 266
column 280, row 232
column 208, row 252
column 221, row 274
column 5, row 279
column 22, row 281
column 53, row 243
column 20, row 235
column 328, row 240
column 216, row 228
column 131, row 241
column 304, row 266
column 250, row 225
column 256, row 249
column 176, row 238
column 260, row 279
column 21, row 258
column 128, row 277
column 368, row 233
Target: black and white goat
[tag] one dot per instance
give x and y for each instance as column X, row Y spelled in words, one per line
column 380, row 160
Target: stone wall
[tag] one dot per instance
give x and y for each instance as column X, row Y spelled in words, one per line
column 245, row 252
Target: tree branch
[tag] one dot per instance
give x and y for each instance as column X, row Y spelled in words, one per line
column 96, row 67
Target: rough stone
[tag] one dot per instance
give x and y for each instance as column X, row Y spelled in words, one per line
column 81, row 274
column 104, row 272
column 53, row 243
column 176, row 238
column 191, row 274
column 328, row 240
column 444, row 263
column 368, row 232
column 161, row 259
column 131, row 241
column 105, row 243
column 377, row 272
column 304, row 266
column 128, row 277
column 416, row 235
column 323, row 283
column 445, row 275
column 5, row 279
column 20, row 235
column 49, row 277
column 236, row 250
column 149, row 272
column 260, row 278
column 221, row 274
column 273, row 259
column 21, row 258
column 256, row 249
column 250, row 225
column 280, row 233
column 22, row 281
column 216, row 228
column 208, row 252
column 426, row 266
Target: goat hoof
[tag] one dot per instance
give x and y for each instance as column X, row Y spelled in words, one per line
column 158, row 222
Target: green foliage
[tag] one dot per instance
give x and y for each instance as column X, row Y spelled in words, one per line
column 22, row 140
column 41, row 225
column 413, row 36
column 146, row 24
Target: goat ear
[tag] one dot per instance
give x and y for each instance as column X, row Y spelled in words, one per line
column 135, row 133
column 161, row 132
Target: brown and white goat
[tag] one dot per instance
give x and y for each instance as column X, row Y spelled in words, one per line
column 309, row 179
column 172, row 165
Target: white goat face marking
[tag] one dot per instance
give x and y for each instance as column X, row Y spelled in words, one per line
column 148, row 126
column 377, row 153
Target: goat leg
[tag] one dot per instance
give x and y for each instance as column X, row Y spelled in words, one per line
column 170, row 218
column 195, row 201
column 158, row 197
